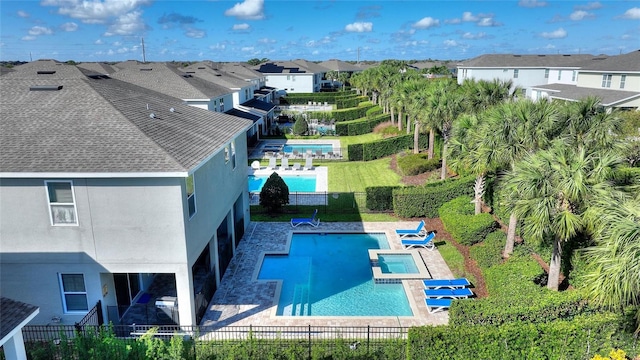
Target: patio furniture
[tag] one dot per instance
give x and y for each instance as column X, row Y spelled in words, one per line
column 457, row 293
column 436, row 305
column 308, row 163
column 446, row 283
column 426, row 242
column 285, row 163
column 272, row 163
column 418, row 232
column 313, row 221
column 296, row 166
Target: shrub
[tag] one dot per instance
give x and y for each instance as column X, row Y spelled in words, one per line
column 489, row 252
column 381, row 148
column 360, row 126
column 300, row 127
column 380, row 198
column 274, row 194
column 459, row 220
column 424, row 201
column 414, row 164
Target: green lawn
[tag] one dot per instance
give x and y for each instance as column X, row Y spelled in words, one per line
column 355, row 176
column 359, row 139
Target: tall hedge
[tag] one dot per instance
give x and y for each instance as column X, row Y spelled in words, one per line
column 580, row 338
column 460, row 222
column 424, row 201
column 350, row 101
column 343, row 114
column 361, row 126
column 380, row 198
column 385, row 147
column 304, row 98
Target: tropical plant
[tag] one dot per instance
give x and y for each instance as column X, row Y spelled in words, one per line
column 549, row 190
column 274, row 193
column 300, row 127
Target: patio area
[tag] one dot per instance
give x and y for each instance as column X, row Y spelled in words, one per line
column 242, row 301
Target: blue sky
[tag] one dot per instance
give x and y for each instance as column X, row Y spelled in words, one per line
column 111, row 30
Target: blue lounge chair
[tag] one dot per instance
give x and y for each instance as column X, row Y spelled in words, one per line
column 446, row 283
column 418, row 232
column 435, row 305
column 426, row 242
column 460, row 293
column 313, row 221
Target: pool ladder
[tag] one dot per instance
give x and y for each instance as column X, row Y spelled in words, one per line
column 300, row 305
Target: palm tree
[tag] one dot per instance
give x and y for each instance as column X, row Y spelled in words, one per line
column 615, row 258
column 550, row 189
column 416, row 93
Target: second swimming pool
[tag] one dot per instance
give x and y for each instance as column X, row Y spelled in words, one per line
column 330, row 275
column 300, row 183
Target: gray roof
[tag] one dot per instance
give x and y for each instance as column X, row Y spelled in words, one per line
column 290, row 67
column 629, row 62
column 168, row 80
column 515, row 60
column 218, row 77
column 608, row 97
column 103, row 126
column 339, row 65
column 98, row 68
column 243, row 71
column 13, row 313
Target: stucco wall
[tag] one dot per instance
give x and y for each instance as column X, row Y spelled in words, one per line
column 297, row 83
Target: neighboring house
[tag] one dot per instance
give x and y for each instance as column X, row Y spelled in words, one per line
column 339, row 66
column 297, row 76
column 105, row 185
column 524, row 71
column 615, row 80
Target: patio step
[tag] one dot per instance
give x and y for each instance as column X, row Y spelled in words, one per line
column 300, row 305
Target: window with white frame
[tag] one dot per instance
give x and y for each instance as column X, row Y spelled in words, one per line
column 74, row 293
column 623, row 79
column 546, row 73
column 606, row 80
column 573, row 75
column 62, row 205
column 191, row 195
column 516, row 72
column 559, row 74
column 233, row 154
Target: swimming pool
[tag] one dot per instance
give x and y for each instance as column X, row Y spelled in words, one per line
column 303, row 148
column 329, row 274
column 397, row 264
column 299, row 183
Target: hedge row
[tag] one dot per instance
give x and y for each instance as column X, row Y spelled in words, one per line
column 343, row 114
column 304, row 98
column 414, row 164
column 345, row 102
column 381, row 148
column 459, row 220
column 580, row 338
column 374, row 111
column 380, row 198
column 489, row 252
column 424, row 201
column 360, row 126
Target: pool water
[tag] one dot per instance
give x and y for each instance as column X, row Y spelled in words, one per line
column 330, row 275
column 303, row 148
column 295, row 183
column 397, row 264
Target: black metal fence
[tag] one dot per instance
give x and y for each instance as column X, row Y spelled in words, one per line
column 239, row 342
column 326, row 202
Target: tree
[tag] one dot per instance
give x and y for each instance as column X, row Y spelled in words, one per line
column 274, row 193
column 256, row 61
column 300, row 127
column 549, row 190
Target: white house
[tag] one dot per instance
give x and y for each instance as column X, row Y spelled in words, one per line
column 105, row 185
column 297, row 76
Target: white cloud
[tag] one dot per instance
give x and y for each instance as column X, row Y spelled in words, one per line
column 453, row 21
column 633, row 14
column 556, row 34
column 40, row 30
column 471, row 36
column 241, row 27
column 266, row 41
column 218, row 46
column 98, row 42
column 195, row 33
column 95, row 11
column 487, row 21
column 469, row 17
column 550, row 46
column 450, row 43
column 359, row 27
column 116, row 43
column 23, row 14
column 247, row 49
column 579, row 15
column 425, row 23
column 28, row 38
column 589, row 6
column 127, row 24
column 532, row 3
column 249, row 9
column 70, row 26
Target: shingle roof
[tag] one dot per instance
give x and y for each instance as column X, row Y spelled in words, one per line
column 99, row 126
column 608, row 97
column 626, row 62
column 218, row 77
column 259, row 104
column 515, row 60
column 243, row 114
column 98, row 68
column 339, row 65
column 12, row 314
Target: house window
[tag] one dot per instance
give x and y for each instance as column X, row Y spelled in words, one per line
column 606, row 80
column 233, row 154
column 623, row 79
column 221, row 105
column 523, row 92
column 74, row 293
column 573, row 75
column 546, row 73
column 293, row 78
column 62, row 205
column 516, row 72
column 226, row 154
column 559, row 74
column 191, row 195
column 288, row 77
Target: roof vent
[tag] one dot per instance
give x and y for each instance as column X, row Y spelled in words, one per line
column 201, row 68
column 172, row 109
column 542, row 55
column 566, row 55
column 152, row 115
column 98, row 76
column 146, row 69
column 187, row 75
column 45, row 88
column 190, row 72
column 47, row 72
column 517, row 55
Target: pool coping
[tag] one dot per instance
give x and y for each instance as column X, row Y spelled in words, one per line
column 287, row 246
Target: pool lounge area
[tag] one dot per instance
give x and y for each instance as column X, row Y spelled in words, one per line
column 241, row 300
column 298, row 149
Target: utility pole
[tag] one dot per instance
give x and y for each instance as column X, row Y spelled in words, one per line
column 358, row 58
column 30, row 57
column 144, row 57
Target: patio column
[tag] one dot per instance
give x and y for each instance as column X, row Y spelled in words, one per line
column 184, row 289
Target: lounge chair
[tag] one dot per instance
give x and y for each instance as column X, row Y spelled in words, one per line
column 319, row 154
column 308, row 163
column 446, row 283
column 285, row 163
column 418, row 232
column 296, row 154
column 426, row 242
column 459, row 293
column 272, row 163
column 436, row 305
column 313, row 221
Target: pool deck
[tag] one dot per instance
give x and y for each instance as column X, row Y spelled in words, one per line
column 242, row 301
column 275, row 146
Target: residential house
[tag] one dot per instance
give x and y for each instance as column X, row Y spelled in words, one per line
column 524, row 71
column 296, row 76
column 106, row 186
column 615, row 80
column 339, row 66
